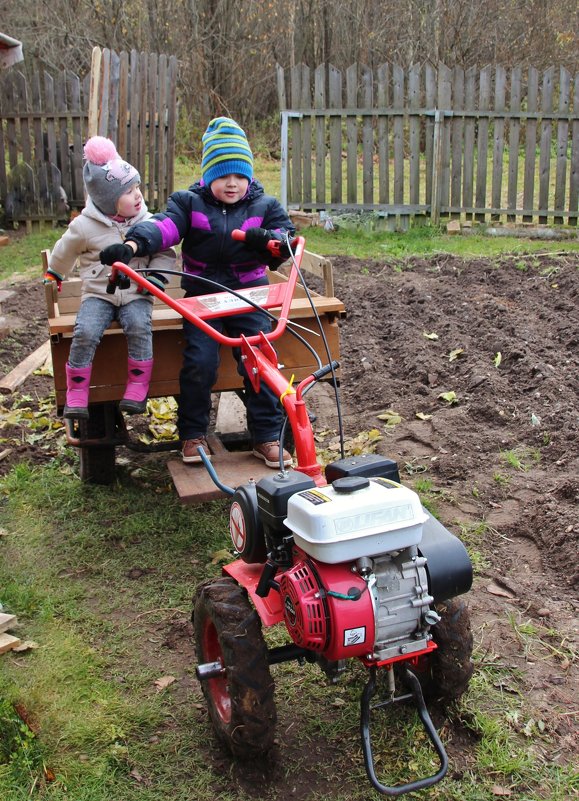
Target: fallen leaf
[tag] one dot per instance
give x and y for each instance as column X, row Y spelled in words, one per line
column 423, row 416
column 498, row 359
column 391, row 417
column 27, row 645
column 496, row 589
column 164, row 682
column 454, row 354
column 220, row 556
column 430, row 336
column 498, row 790
column 449, row 397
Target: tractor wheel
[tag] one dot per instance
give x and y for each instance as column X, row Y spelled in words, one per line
column 444, row 676
column 241, row 703
column 97, row 462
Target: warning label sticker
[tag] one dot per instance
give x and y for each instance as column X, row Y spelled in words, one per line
column 314, row 496
column 354, row 636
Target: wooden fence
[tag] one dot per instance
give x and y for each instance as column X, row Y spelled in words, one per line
column 431, row 141
column 45, row 121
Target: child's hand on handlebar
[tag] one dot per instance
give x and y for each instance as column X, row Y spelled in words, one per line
column 114, row 253
column 263, row 240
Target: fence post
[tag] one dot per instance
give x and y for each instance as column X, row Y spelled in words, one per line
column 284, row 159
column 436, row 167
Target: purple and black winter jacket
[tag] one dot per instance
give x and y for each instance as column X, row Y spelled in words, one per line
column 204, row 225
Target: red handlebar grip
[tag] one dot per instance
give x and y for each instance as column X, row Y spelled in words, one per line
column 238, row 234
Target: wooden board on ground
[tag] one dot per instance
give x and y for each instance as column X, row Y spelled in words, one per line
column 7, row 621
column 20, row 373
column 194, row 484
column 8, row 642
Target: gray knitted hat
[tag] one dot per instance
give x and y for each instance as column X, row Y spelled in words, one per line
column 106, row 176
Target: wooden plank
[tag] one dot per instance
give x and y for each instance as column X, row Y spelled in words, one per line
column 105, row 93
column 143, row 103
column 514, row 131
column 94, row 92
column 499, row 139
column 352, row 135
column 113, row 115
column 445, row 104
column 383, row 77
column 63, row 160
column 76, row 155
column 530, row 142
column 562, row 138
column 574, row 167
column 483, row 142
column 469, row 138
column 151, row 179
column 10, row 102
column 15, row 377
column 430, row 91
column 306, row 103
column 335, row 98
column 132, row 153
column 320, row 103
column 414, row 134
column 296, row 138
column 7, row 621
column 22, row 107
column 398, row 103
column 50, row 120
column 171, row 129
column 122, row 136
column 457, row 133
column 8, row 642
column 367, row 98
column 545, row 142
column 436, row 167
column 39, row 154
column 162, row 131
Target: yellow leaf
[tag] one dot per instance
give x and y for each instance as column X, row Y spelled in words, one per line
column 454, row 354
column 391, row 417
column 423, row 416
column 498, row 359
column 449, row 397
column 220, row 556
column 430, row 336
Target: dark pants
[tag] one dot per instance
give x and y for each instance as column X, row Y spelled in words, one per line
column 199, row 373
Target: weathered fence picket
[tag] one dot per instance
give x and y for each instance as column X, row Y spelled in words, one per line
column 484, row 144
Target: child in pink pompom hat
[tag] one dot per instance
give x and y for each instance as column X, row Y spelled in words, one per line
column 114, row 203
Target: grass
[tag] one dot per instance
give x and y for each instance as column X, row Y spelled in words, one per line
column 101, row 729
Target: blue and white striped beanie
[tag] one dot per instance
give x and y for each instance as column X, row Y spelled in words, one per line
column 226, row 151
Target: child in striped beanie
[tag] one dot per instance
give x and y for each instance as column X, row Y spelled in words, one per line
column 227, row 197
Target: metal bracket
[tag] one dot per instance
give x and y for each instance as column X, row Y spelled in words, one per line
column 365, row 711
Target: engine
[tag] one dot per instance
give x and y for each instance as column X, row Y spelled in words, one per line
column 358, row 563
column 357, row 586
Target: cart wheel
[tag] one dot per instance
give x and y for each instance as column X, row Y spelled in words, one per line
column 97, row 462
column 444, row 676
column 241, row 703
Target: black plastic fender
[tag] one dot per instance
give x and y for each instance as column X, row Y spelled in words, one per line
column 448, row 564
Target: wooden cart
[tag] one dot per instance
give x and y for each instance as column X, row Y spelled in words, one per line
column 98, row 437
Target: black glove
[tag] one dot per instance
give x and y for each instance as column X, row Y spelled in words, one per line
column 114, row 253
column 257, row 238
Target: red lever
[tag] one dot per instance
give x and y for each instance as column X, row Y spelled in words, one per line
column 274, row 245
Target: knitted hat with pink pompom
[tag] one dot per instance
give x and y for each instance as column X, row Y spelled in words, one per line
column 106, row 175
